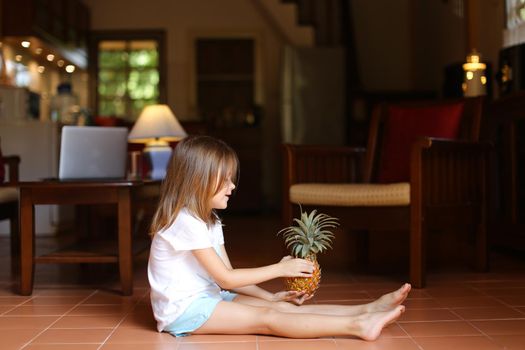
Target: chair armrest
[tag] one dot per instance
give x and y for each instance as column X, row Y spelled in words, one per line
column 12, row 163
column 447, row 171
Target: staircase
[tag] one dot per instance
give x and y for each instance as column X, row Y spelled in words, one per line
column 306, row 22
column 325, row 16
column 282, row 17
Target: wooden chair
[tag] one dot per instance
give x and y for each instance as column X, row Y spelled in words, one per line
column 446, row 184
column 9, row 205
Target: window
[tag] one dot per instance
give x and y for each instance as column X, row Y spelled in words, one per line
column 128, row 71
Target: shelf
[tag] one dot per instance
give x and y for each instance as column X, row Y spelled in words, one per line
column 100, row 252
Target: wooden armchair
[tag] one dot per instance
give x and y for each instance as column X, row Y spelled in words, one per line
column 442, row 184
column 9, row 204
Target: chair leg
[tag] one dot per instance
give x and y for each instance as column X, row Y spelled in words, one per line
column 417, row 253
column 15, row 245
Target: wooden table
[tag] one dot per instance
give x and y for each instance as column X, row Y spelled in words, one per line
column 120, row 193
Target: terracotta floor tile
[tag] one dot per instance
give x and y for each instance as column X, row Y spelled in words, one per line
column 393, row 331
column 5, row 308
column 448, row 292
column 73, row 336
column 498, row 283
column 63, row 291
column 13, row 300
column 39, row 310
column 127, row 322
column 16, row 338
column 120, row 309
column 25, row 322
column 109, row 298
column 472, row 301
column 379, row 344
column 427, row 315
column 418, row 294
column 142, row 346
column 55, row 300
column 415, row 294
column 488, row 313
column 513, row 300
column 219, row 346
column 221, row 338
column 439, row 328
column 62, row 347
column 83, row 322
column 459, row 342
column 310, row 344
column 500, row 327
column 510, row 342
column 503, row 292
column 141, row 319
column 428, row 303
column 138, row 335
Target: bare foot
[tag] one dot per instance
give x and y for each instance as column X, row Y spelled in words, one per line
column 390, row 300
column 371, row 324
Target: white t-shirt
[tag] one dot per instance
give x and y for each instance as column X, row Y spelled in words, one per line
column 175, row 276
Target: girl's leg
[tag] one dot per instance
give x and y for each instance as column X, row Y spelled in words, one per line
column 384, row 303
column 237, row 318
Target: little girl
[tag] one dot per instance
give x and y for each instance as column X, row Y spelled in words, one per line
column 195, row 289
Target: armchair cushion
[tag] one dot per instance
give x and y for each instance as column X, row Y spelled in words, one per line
column 406, row 124
column 351, row 195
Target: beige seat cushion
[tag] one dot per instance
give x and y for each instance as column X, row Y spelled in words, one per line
column 8, row 194
column 351, row 195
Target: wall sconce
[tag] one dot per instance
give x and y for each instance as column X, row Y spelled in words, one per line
column 474, row 81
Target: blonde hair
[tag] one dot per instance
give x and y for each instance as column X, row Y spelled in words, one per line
column 198, row 169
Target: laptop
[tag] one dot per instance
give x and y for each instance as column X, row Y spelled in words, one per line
column 93, row 153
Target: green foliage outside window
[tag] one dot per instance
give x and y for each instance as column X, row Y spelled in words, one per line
column 128, row 80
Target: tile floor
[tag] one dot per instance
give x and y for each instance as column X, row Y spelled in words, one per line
column 459, row 309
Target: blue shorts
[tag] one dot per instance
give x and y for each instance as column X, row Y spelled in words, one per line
column 197, row 313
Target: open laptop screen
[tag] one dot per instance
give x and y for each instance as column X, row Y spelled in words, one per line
column 92, row 152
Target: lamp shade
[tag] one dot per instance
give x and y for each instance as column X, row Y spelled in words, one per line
column 156, row 125
column 156, row 122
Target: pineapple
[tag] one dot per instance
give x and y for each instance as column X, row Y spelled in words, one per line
column 311, row 236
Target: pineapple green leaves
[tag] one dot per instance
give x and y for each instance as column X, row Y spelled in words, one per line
column 312, row 234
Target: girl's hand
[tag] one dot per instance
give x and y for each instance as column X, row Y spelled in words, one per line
column 295, row 267
column 291, row 296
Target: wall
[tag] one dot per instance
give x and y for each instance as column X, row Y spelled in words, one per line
column 183, row 22
column 405, row 44
column 383, row 43
column 401, row 45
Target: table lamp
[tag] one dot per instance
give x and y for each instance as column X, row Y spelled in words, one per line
column 155, row 127
column 475, row 81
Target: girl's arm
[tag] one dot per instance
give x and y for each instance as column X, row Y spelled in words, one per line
column 229, row 278
column 255, row 291
column 251, row 290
